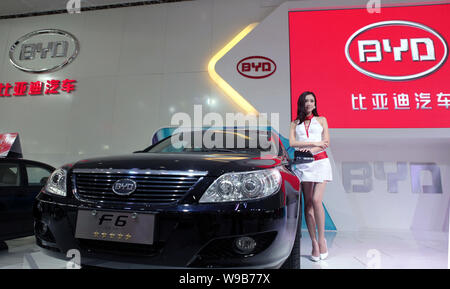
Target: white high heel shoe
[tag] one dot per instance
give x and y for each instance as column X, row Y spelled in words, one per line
column 315, row 258
column 324, row 255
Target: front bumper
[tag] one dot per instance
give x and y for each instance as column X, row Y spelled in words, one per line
column 196, row 236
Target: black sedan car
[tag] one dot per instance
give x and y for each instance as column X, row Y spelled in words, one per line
column 20, row 182
column 205, row 199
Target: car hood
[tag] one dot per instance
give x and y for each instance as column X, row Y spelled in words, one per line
column 215, row 164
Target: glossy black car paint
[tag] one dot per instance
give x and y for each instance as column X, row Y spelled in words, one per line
column 16, row 201
column 187, row 233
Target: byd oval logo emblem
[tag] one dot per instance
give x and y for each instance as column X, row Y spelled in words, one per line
column 44, row 50
column 124, row 187
column 256, row 67
column 396, row 50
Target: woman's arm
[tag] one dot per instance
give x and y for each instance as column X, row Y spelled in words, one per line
column 325, row 133
column 313, row 150
column 298, row 144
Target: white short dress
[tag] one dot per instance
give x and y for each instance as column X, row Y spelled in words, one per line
column 319, row 170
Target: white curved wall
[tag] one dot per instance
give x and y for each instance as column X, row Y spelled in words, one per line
column 137, row 66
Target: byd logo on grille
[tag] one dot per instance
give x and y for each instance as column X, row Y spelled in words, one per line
column 396, row 50
column 124, row 187
column 256, row 67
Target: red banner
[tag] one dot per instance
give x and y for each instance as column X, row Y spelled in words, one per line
column 386, row 70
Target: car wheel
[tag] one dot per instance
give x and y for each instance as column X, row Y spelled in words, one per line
column 293, row 261
column 3, row 246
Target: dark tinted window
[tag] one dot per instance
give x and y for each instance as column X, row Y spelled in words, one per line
column 36, row 174
column 9, row 175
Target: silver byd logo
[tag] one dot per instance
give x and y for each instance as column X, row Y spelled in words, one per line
column 124, row 187
column 44, row 50
column 396, row 50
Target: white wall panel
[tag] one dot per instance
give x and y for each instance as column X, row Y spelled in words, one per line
column 188, row 36
column 379, row 208
column 41, row 121
column 91, row 114
column 181, row 91
column 223, row 103
column 231, row 16
column 4, row 34
column 74, row 24
column 136, row 112
column 142, row 45
column 100, row 43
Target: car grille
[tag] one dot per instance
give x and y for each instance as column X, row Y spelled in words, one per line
column 153, row 187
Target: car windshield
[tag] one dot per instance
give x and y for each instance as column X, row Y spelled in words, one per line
column 219, row 141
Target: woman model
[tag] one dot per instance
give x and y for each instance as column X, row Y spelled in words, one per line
column 309, row 132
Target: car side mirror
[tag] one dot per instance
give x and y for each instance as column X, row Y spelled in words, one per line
column 43, row 181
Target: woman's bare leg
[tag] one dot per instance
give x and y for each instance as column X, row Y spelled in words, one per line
column 319, row 215
column 308, row 190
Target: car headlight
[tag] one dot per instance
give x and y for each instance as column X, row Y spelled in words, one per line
column 243, row 186
column 56, row 183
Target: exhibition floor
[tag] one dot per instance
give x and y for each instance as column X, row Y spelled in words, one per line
column 380, row 249
column 348, row 250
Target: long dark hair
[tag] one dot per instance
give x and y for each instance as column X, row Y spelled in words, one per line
column 301, row 112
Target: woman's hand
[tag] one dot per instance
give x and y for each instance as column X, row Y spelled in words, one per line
column 311, row 150
column 322, row 144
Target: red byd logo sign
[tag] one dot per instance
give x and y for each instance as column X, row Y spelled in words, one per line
column 396, row 50
column 256, row 67
column 25, row 88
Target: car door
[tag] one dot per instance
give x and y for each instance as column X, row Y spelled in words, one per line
column 34, row 173
column 11, row 184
